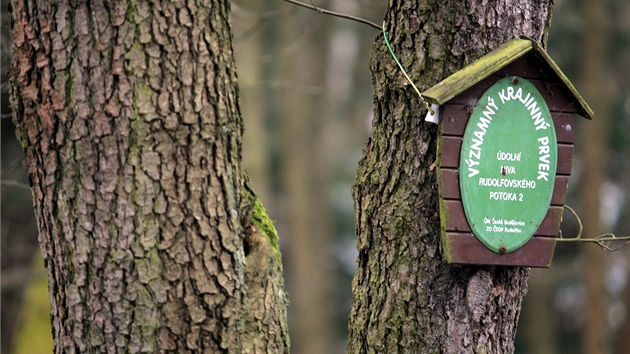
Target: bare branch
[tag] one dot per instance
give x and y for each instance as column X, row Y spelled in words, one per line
column 13, row 183
column 603, row 240
column 12, row 167
column 336, row 14
column 259, row 19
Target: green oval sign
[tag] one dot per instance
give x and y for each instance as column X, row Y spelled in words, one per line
column 508, row 164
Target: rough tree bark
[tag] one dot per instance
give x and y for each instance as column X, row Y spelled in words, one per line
column 129, row 119
column 406, row 299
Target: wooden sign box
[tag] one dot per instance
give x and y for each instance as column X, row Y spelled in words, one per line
column 456, row 97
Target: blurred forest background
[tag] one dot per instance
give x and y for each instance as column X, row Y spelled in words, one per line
column 306, row 99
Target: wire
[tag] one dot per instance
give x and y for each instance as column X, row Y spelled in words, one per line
column 391, row 50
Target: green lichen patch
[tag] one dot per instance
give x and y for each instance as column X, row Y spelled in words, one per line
column 143, row 99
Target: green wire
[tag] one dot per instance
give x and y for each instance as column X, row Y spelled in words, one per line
column 391, row 50
column 403, row 70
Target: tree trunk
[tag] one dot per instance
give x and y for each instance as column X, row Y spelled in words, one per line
column 256, row 142
column 406, row 298
column 594, row 139
column 305, row 180
column 623, row 339
column 129, row 119
column 539, row 329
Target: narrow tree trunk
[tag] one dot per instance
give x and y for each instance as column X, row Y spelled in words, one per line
column 593, row 83
column 305, row 177
column 406, row 299
column 539, row 328
column 256, row 144
column 128, row 115
column 623, row 339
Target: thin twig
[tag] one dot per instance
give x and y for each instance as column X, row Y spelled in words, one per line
column 579, row 221
column 12, row 167
column 603, row 240
column 13, row 183
column 336, row 14
column 372, row 24
column 259, row 19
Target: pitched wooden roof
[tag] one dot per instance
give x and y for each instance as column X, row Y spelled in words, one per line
column 494, row 61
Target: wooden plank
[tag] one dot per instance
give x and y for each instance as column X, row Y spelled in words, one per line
column 551, row 224
column 469, row 75
column 456, row 219
column 554, row 93
column 515, row 58
column 564, row 123
column 449, row 186
column 560, row 189
column 465, row 248
column 450, row 148
column 455, row 119
column 471, row 95
column 565, row 159
column 527, row 66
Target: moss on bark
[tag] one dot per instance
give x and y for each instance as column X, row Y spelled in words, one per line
column 261, row 220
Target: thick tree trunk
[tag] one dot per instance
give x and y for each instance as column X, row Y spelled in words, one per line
column 406, row 299
column 128, row 115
